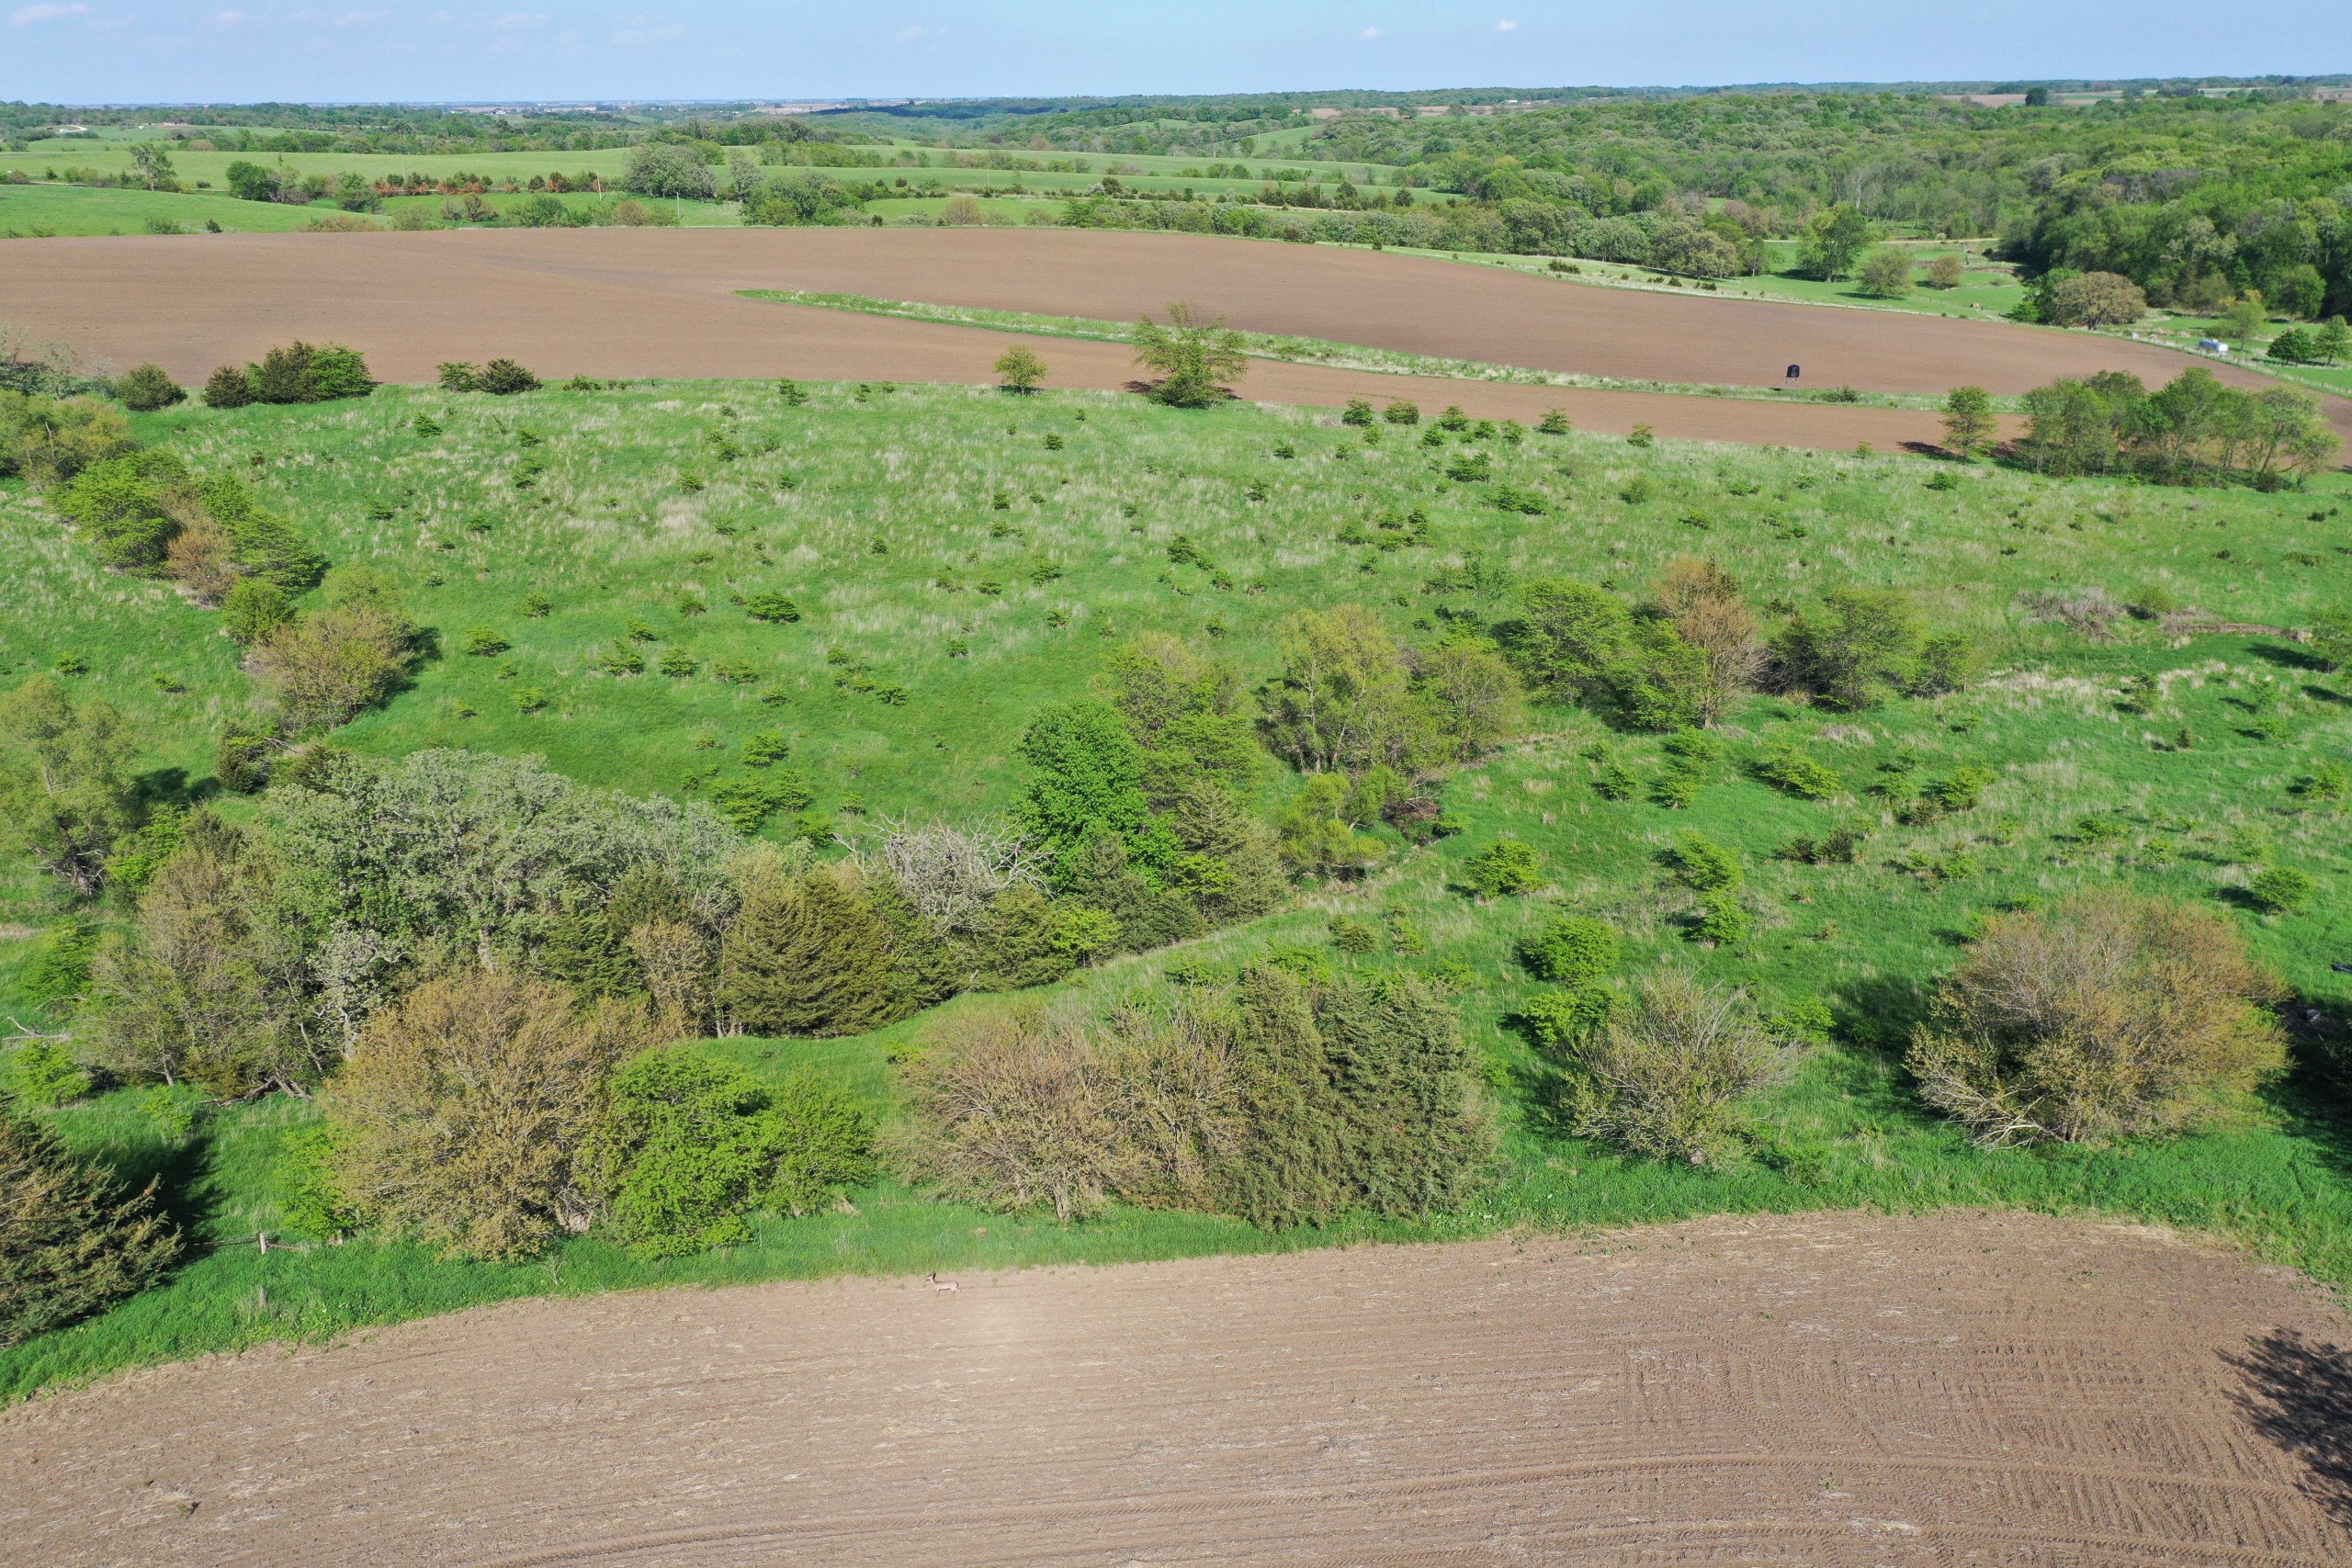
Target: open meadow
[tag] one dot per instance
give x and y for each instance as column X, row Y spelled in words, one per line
column 957, row 559
column 1031, row 837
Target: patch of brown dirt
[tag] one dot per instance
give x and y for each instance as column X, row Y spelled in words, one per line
column 1820, row 1391
column 661, row 302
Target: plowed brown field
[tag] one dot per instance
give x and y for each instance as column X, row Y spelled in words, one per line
column 1819, row 1390
column 661, row 302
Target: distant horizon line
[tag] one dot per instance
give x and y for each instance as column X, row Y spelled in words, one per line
column 851, row 101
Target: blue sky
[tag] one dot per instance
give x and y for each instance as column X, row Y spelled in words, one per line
column 142, row 51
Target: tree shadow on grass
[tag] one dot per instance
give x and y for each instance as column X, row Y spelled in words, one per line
column 2288, row 654
column 1880, row 1011
column 2298, row 1393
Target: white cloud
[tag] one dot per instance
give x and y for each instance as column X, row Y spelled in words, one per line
column 362, row 18
column 630, row 37
column 26, row 15
column 516, row 21
column 1369, row 34
column 910, row 35
column 222, row 21
column 1506, row 26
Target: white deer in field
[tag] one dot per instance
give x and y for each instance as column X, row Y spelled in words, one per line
column 939, row 1284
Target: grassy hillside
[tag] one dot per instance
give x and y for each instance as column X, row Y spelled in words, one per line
column 960, row 558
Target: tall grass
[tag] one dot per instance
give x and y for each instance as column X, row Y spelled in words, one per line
column 610, row 533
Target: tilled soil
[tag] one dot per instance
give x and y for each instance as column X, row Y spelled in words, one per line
column 1824, row 1389
column 661, row 302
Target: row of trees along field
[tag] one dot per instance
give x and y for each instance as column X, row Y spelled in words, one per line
column 490, row 979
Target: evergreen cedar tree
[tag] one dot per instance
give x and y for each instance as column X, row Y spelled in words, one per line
column 71, row 1241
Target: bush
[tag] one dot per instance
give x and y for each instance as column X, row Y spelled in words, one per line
column 2283, row 889
column 148, row 388
column 504, row 378
column 300, row 373
column 71, row 1241
column 1665, row 1075
column 1788, row 769
column 2112, row 1015
column 327, row 667
column 227, row 388
column 689, row 1145
column 1557, row 1020
column 1570, row 950
column 1723, row 918
column 337, row 372
column 2296, row 345
column 1503, row 869
column 44, row 1076
column 463, row 1112
column 1400, row 412
column 1191, row 356
column 1289, row 1100
column 1019, row 369
column 1704, row 866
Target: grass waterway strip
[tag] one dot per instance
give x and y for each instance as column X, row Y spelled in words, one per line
column 1339, row 356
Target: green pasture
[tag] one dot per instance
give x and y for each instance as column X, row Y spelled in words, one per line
column 960, row 557
column 30, row 212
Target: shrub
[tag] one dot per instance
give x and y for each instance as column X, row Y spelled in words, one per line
column 1191, row 355
column 1503, row 869
column 1286, row 1102
column 1963, row 789
column 1570, row 950
column 66, row 793
column 482, row 642
column 308, row 1196
column 774, row 607
column 1702, row 865
column 2296, row 345
column 327, row 667
column 71, row 1240
column 1557, row 1020
column 2283, row 889
column 1886, row 273
column 2111, row 1015
column 1020, row 370
column 1358, row 413
column 336, row 372
column 504, row 378
column 44, row 1076
column 227, row 388
column 1400, row 412
column 456, row 376
column 1793, row 770
column 1665, row 1076
column 465, row 1106
column 688, row 1144
column 148, row 388
column 1723, row 918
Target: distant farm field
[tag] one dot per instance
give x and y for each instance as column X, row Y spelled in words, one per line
column 661, row 303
